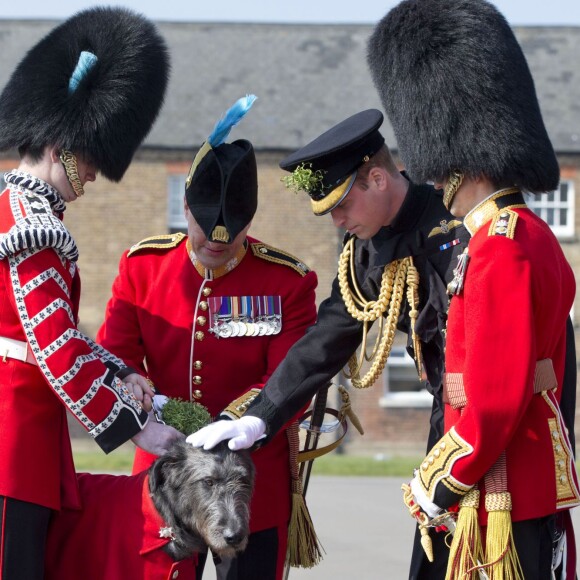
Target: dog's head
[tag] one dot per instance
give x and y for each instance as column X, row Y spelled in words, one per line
column 205, row 497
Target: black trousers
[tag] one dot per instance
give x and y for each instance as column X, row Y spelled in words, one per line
column 259, row 561
column 534, row 542
column 23, row 528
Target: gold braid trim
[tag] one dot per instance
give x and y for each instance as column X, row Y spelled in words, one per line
column 69, row 162
column 395, row 276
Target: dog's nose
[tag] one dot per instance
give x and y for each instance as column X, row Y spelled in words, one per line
column 233, row 538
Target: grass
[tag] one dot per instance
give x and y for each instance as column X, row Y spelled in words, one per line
column 90, row 458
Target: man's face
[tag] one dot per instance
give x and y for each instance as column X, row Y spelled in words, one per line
column 366, row 209
column 211, row 255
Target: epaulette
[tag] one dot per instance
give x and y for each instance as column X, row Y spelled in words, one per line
column 162, row 242
column 503, row 224
column 279, row 257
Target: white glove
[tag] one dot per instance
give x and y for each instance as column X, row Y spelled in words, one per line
column 424, row 502
column 242, row 433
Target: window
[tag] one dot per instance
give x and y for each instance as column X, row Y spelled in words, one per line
column 176, row 221
column 401, row 386
column 556, row 209
column 2, row 182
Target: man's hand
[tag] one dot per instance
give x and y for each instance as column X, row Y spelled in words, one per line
column 156, row 438
column 242, row 433
column 141, row 388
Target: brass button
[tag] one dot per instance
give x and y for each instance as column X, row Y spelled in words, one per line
column 197, row 365
column 563, row 479
column 559, row 449
column 197, row 394
column 206, row 291
column 203, row 305
column 555, row 435
column 199, row 335
column 201, row 320
column 175, row 574
column 197, row 380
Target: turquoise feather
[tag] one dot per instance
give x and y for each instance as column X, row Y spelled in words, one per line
column 87, row 60
column 230, row 119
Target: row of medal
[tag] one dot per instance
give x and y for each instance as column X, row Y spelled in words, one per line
column 233, row 316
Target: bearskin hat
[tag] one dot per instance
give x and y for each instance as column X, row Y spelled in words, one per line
column 457, row 89
column 94, row 85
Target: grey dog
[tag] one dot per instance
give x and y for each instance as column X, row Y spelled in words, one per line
column 204, row 497
column 151, row 525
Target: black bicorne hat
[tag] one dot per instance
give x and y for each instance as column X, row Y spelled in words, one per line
column 94, row 86
column 326, row 167
column 457, row 89
column 222, row 186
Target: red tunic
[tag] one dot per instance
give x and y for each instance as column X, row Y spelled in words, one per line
column 518, row 292
column 92, row 545
column 160, row 313
column 39, row 298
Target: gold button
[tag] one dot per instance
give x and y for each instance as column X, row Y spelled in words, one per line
column 563, row 479
column 197, row 365
column 555, row 435
column 203, row 305
column 558, row 449
column 199, row 335
column 201, row 320
column 424, row 466
column 430, row 459
column 197, row 380
column 561, row 464
column 197, row 394
column 437, row 452
column 442, row 445
column 206, row 291
column 175, row 574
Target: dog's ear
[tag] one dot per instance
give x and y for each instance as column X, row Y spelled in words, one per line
column 157, row 472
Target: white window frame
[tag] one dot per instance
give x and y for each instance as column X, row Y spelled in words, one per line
column 547, row 206
column 399, row 357
column 175, row 192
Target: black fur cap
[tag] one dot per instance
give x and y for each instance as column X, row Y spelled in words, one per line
column 107, row 116
column 457, row 89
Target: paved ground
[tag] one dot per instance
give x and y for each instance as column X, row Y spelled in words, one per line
column 362, row 523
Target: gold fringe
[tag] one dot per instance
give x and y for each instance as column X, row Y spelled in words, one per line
column 304, row 548
column 466, row 551
column 502, row 561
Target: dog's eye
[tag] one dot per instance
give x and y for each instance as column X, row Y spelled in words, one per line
column 209, row 482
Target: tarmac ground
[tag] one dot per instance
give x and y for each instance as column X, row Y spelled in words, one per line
column 364, row 528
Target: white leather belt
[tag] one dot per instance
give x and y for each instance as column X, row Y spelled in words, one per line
column 17, row 349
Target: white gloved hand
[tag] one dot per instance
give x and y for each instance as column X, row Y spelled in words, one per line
column 424, row 502
column 242, row 433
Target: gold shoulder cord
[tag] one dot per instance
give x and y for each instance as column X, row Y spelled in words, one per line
column 395, row 275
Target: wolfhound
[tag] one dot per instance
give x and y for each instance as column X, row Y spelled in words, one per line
column 151, row 525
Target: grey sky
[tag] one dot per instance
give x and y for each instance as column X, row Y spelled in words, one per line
column 517, row 12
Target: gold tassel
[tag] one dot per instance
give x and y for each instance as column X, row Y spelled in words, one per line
column 304, row 548
column 466, row 551
column 502, row 561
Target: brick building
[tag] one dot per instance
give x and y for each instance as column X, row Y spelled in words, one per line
column 307, row 78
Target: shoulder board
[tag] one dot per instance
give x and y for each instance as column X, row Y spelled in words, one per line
column 503, row 224
column 444, row 227
column 279, row 257
column 162, row 242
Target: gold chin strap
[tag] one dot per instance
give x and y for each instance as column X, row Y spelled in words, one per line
column 395, row 276
column 453, row 184
column 69, row 162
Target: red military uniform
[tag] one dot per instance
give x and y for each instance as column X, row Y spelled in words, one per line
column 159, row 318
column 38, row 304
column 504, row 367
column 89, row 544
